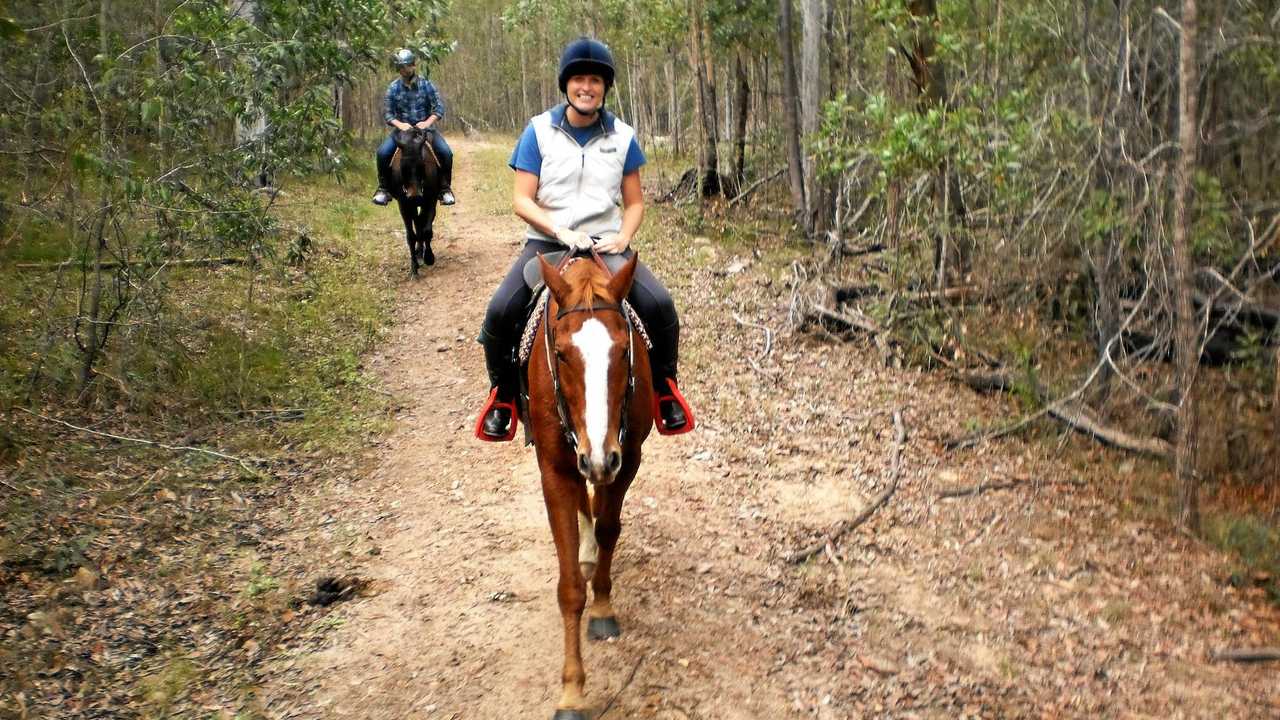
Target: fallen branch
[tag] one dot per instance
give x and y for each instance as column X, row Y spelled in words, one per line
column 768, row 334
column 755, row 186
column 1080, row 417
column 1067, row 410
column 985, row 486
column 848, row 251
column 177, row 448
column 196, row 262
column 1248, row 655
column 852, row 523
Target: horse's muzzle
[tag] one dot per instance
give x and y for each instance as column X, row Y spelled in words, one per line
column 602, row 474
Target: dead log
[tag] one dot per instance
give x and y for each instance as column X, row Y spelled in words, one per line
column 1074, row 414
column 900, row 439
column 985, row 380
column 1249, row 655
column 840, row 322
column 849, row 251
column 111, row 265
column 1080, row 417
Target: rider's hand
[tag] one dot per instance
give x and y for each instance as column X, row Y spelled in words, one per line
column 424, row 125
column 613, row 245
column 574, row 239
column 402, row 125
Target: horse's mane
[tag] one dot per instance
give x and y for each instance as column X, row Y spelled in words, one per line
column 587, row 283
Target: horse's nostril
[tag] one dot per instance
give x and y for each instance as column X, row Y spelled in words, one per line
column 615, row 461
column 583, row 467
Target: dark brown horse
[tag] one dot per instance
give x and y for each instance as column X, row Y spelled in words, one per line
column 590, row 410
column 415, row 184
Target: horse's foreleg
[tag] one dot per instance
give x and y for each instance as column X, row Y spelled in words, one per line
column 602, row 620
column 410, row 237
column 588, row 550
column 425, row 233
column 563, row 504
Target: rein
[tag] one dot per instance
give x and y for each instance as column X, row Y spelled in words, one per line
column 553, row 361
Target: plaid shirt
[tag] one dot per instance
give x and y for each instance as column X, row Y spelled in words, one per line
column 412, row 103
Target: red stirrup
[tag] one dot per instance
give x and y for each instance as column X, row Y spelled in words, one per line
column 676, row 396
column 491, row 404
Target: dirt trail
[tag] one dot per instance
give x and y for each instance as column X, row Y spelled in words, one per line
column 465, row 624
column 1040, row 601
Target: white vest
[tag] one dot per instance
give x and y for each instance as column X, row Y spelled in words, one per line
column 581, row 185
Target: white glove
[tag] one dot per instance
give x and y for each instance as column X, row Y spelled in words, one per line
column 574, row 239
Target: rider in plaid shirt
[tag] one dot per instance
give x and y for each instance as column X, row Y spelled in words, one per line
column 413, row 101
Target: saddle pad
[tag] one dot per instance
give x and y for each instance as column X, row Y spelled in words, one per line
column 539, row 311
column 533, row 271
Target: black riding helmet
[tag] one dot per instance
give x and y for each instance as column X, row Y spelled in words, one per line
column 586, row 56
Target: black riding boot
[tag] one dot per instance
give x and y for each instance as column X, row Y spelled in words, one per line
column 663, row 360
column 504, row 376
column 383, row 195
column 446, row 181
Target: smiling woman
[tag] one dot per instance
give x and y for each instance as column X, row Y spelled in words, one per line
column 577, row 184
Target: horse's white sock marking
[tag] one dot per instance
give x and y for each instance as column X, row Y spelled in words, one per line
column 594, row 343
column 588, row 551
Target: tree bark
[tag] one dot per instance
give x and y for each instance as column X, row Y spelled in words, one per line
column 791, row 113
column 1188, row 348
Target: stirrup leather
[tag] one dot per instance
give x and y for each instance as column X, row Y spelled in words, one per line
column 493, row 404
column 676, row 396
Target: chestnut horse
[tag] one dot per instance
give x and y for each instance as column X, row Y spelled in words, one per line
column 589, row 411
column 415, row 184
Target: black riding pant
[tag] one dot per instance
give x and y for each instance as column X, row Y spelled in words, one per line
column 504, row 319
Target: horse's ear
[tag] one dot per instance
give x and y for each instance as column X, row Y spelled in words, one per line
column 551, row 276
column 620, row 283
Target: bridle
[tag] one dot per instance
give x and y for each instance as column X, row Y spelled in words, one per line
column 553, row 360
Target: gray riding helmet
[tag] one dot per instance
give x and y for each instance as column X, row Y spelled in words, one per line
column 405, row 56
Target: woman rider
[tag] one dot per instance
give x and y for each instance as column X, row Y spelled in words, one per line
column 573, row 164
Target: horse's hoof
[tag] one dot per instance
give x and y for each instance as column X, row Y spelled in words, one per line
column 603, row 628
column 428, row 257
column 564, row 714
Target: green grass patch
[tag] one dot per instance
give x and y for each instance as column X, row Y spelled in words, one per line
column 1255, row 544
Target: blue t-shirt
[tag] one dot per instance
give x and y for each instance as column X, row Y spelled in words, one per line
column 527, row 157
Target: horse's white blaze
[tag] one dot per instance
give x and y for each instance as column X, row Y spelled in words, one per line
column 593, row 342
column 588, row 551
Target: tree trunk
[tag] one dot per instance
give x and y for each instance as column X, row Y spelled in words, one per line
column 708, row 162
column 791, row 114
column 930, row 78
column 740, row 126
column 1188, row 353
column 812, row 16
column 673, row 115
